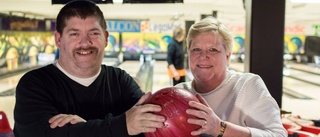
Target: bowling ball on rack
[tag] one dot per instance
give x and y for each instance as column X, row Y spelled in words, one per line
column 174, row 102
column 5, row 129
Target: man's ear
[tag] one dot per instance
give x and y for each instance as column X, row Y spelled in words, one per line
column 57, row 38
column 107, row 35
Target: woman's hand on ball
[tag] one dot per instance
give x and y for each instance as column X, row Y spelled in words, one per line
column 205, row 117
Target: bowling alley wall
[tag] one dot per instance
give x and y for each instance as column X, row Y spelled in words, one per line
column 28, row 41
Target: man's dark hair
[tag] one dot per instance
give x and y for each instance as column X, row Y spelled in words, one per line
column 79, row 8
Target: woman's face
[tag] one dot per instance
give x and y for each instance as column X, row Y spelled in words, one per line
column 208, row 58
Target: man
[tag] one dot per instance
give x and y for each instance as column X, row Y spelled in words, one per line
column 77, row 96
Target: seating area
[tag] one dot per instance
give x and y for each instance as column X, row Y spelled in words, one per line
column 298, row 127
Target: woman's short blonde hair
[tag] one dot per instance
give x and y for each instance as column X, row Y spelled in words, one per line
column 178, row 32
column 211, row 25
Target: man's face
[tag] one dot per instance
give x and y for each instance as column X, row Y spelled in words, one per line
column 81, row 44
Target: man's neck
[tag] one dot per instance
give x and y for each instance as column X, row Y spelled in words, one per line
column 82, row 81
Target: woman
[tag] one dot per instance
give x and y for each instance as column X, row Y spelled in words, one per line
column 175, row 57
column 232, row 103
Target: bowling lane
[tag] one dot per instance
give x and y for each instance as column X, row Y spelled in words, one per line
column 6, row 105
column 300, row 87
column 305, row 108
column 131, row 67
column 236, row 66
column 7, row 92
column 160, row 76
column 301, row 98
column 303, row 67
column 299, row 95
column 110, row 61
column 303, row 72
column 302, row 75
column 9, row 82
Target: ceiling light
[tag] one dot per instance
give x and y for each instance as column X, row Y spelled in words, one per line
column 117, row 1
column 305, row 1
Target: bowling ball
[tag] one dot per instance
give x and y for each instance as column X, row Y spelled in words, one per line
column 5, row 129
column 174, row 102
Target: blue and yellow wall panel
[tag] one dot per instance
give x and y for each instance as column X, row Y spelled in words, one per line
column 113, row 43
column 238, row 45
column 294, row 44
column 137, row 42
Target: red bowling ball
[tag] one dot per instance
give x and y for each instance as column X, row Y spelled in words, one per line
column 174, row 102
column 5, row 129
